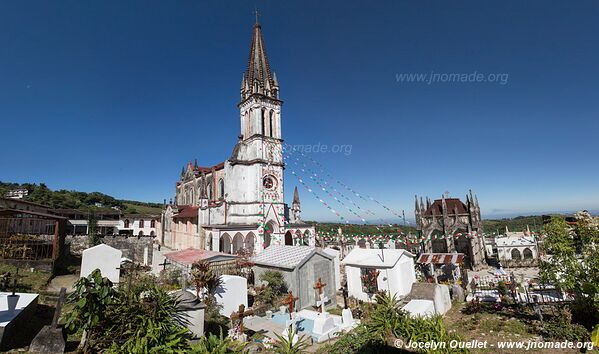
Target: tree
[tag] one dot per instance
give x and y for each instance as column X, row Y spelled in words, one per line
column 90, row 300
column 573, row 265
column 203, row 278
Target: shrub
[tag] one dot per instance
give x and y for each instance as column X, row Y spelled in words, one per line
column 276, row 287
column 560, row 327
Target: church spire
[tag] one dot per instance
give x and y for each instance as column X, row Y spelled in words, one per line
column 258, row 78
column 296, row 196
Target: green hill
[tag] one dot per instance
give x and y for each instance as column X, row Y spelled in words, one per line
column 65, row 199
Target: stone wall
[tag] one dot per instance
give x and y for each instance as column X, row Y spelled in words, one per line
column 133, row 247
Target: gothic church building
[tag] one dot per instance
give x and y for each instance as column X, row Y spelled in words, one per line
column 239, row 203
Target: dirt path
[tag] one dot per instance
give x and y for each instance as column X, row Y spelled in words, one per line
column 66, row 281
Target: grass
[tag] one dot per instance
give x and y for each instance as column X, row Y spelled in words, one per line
column 27, row 280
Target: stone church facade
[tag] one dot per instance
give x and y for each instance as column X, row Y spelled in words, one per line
column 450, row 225
column 239, row 203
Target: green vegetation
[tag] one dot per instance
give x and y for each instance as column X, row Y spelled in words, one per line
column 357, row 229
column 213, row 344
column 27, row 281
column 574, row 264
column 64, row 199
column 519, row 223
column 383, row 324
column 276, row 288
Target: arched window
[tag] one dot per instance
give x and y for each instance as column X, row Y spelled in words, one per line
column 126, row 223
column 270, row 124
column 263, row 118
column 221, row 186
column 516, row 254
column 209, row 190
column 153, row 223
column 141, row 223
column 527, row 253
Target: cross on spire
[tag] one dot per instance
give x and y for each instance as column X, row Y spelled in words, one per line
column 257, row 16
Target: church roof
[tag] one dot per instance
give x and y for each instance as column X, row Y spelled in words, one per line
column 187, row 211
column 296, row 196
column 258, row 77
column 452, row 204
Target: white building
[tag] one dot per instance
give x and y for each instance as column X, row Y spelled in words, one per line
column 138, row 224
column 517, row 249
column 19, row 193
column 393, row 270
column 239, row 203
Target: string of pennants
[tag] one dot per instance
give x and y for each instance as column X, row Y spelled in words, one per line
column 401, row 238
column 355, row 193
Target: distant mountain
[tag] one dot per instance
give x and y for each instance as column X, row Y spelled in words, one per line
column 65, row 199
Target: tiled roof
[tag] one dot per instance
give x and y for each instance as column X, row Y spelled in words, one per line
column 452, row 204
column 187, row 211
column 191, row 255
column 514, row 241
column 287, row 257
column 441, row 258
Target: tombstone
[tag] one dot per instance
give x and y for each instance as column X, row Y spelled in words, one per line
column 15, row 315
column 323, row 324
column 50, row 339
column 457, row 293
column 103, row 257
column 230, row 293
column 335, row 253
column 192, row 310
column 291, row 323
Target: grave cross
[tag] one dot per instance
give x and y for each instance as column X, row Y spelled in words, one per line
column 59, row 303
column 239, row 315
column 164, row 264
column 290, row 302
column 323, row 298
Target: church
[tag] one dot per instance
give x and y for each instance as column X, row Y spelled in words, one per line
column 450, row 225
column 239, row 203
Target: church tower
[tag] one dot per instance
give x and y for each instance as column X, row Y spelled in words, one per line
column 256, row 164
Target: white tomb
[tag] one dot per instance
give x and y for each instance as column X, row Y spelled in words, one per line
column 335, row 253
column 103, row 257
column 15, row 310
column 232, row 292
column 395, row 267
column 437, row 294
column 420, row 308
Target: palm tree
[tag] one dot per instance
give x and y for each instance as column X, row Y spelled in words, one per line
column 287, row 345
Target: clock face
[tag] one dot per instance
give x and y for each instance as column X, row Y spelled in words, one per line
column 269, row 183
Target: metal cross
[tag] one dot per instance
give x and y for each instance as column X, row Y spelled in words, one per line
column 257, row 15
column 239, row 315
column 290, row 302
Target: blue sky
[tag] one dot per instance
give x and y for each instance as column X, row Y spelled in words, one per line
column 115, row 96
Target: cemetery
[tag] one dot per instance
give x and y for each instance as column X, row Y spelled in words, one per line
column 302, row 297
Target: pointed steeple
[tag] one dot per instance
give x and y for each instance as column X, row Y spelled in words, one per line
column 296, row 196
column 258, row 78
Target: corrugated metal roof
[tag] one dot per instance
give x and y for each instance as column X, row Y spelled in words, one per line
column 287, row 257
column 441, row 258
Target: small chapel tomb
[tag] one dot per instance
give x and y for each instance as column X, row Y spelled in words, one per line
column 103, row 257
column 369, row 271
column 301, row 267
